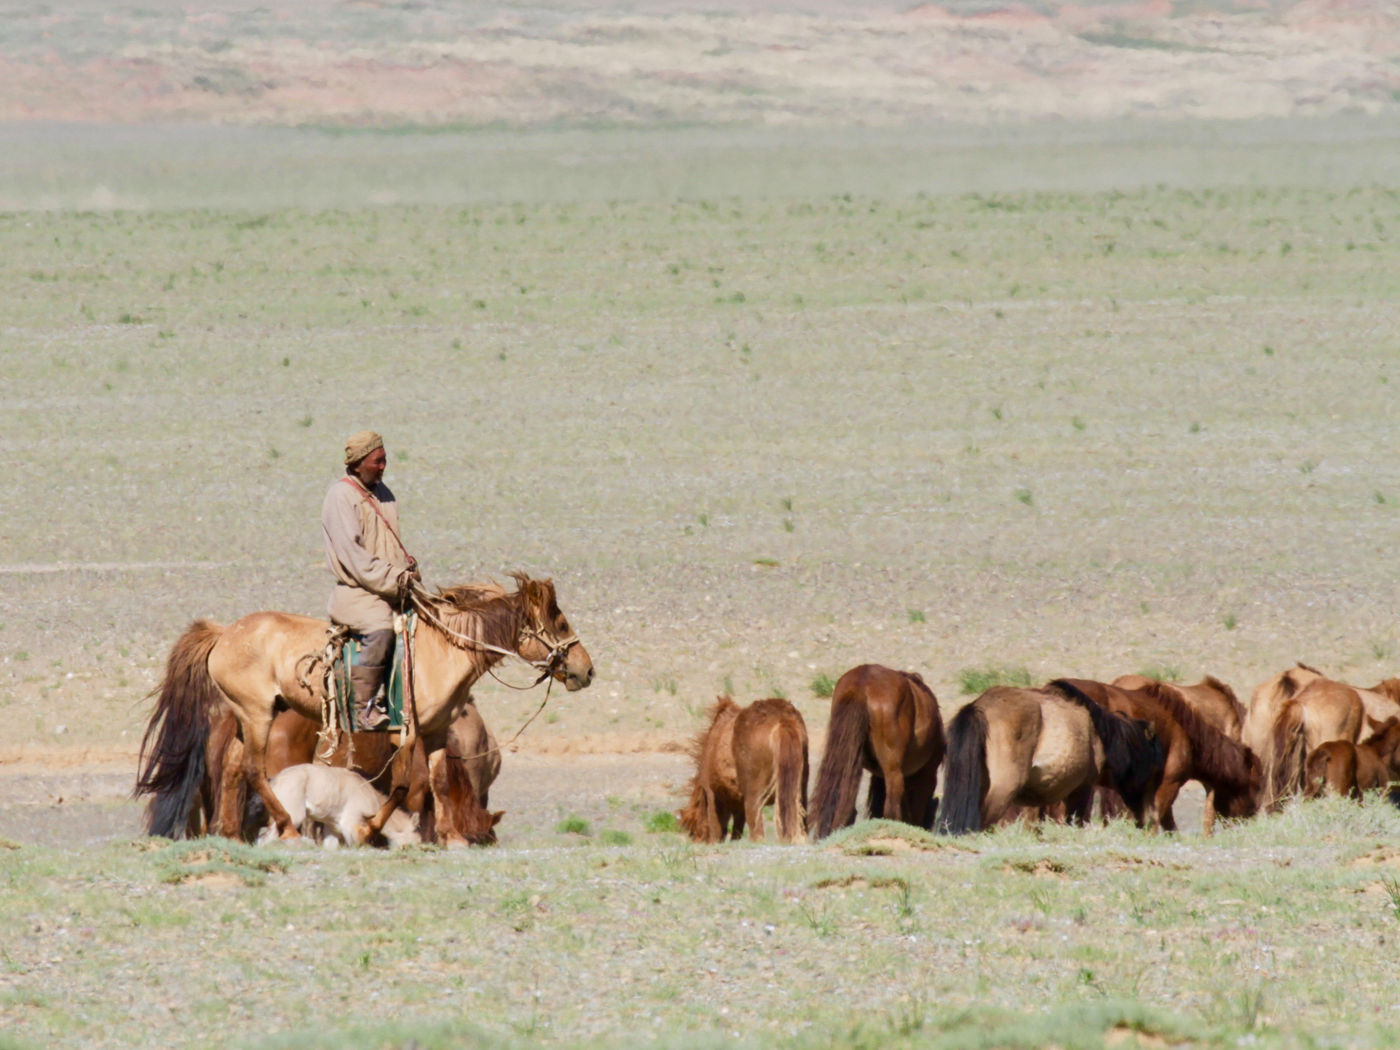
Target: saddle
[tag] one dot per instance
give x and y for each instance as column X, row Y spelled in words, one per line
column 347, row 655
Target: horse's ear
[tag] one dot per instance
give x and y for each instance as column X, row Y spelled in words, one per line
column 496, row 816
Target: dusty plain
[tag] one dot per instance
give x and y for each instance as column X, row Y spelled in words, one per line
column 1033, row 339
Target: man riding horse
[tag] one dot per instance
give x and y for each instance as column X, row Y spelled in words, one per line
column 373, row 570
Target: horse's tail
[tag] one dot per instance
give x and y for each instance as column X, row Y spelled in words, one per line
column 1131, row 750
column 790, row 776
column 171, row 761
column 965, row 780
column 838, row 777
column 1287, row 753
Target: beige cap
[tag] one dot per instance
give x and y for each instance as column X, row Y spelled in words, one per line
column 361, row 444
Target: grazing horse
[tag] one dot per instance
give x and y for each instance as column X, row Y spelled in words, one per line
column 1034, row 747
column 745, row 758
column 1322, row 710
column 1193, row 750
column 447, row 793
column 716, row 807
column 887, row 722
column 1344, row 768
column 264, row 662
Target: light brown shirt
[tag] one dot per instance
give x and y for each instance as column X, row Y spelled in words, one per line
column 365, row 555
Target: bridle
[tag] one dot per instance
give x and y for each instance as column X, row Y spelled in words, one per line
column 425, row 601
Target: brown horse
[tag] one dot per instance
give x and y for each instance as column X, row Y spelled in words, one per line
column 1035, row 748
column 1211, row 699
column 716, row 806
column 1323, row 710
column 1344, row 768
column 1193, row 750
column 770, row 760
column 744, row 759
column 267, row 661
column 448, row 790
column 887, row 722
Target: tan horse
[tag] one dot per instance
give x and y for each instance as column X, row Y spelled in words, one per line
column 887, row 722
column 1034, row 748
column 1257, row 733
column 1323, row 710
column 770, row 761
column 260, row 662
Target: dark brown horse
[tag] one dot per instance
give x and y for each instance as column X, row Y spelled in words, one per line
column 259, row 665
column 1193, row 750
column 1036, row 748
column 887, row 722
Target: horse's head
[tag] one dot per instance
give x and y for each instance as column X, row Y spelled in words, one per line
column 1243, row 800
column 546, row 638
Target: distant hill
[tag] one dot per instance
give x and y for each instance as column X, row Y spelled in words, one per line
column 669, row 62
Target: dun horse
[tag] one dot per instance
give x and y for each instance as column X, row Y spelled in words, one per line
column 887, row 722
column 1034, row 748
column 745, row 759
column 259, row 664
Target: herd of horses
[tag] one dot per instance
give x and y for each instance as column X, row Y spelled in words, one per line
column 241, row 703
column 1028, row 753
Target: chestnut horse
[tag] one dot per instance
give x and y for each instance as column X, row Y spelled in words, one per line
column 1034, row 748
column 887, row 722
column 747, row 758
column 264, row 662
column 1193, row 749
column 1344, row 768
column 716, row 807
column 447, row 790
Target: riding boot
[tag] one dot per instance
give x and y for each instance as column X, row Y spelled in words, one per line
column 369, row 715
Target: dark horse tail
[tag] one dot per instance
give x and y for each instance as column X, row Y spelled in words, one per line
column 965, row 780
column 790, row 762
column 838, row 777
column 1132, row 752
column 172, row 751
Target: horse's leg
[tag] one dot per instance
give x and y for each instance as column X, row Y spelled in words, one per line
column 1208, row 813
column 255, row 772
column 894, row 794
column 753, row 814
column 874, row 797
column 232, row 791
column 918, row 796
column 403, row 773
column 1166, row 798
column 1078, row 804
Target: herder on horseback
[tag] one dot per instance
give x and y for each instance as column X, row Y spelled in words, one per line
column 374, row 571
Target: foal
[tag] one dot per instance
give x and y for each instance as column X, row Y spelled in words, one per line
column 746, row 758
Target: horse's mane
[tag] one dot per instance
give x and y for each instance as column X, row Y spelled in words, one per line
column 486, row 612
column 1217, row 756
column 1224, row 689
